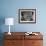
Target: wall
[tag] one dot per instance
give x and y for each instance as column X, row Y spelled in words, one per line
column 9, row 8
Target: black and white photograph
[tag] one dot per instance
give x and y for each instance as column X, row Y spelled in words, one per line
column 27, row 15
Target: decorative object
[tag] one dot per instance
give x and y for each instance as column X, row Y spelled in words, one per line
column 9, row 21
column 30, row 33
column 27, row 15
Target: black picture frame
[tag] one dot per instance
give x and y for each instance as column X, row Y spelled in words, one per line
column 27, row 15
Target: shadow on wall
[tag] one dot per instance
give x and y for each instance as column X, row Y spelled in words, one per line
column 2, row 21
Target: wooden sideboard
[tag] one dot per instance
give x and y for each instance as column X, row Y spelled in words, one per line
column 20, row 39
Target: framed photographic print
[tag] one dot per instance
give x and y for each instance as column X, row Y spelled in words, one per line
column 27, row 15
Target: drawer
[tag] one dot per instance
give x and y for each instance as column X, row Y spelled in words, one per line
column 33, row 43
column 37, row 43
column 9, row 43
column 16, row 37
column 33, row 37
column 13, row 43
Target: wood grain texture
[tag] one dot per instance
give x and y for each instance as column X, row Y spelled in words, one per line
column 20, row 39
